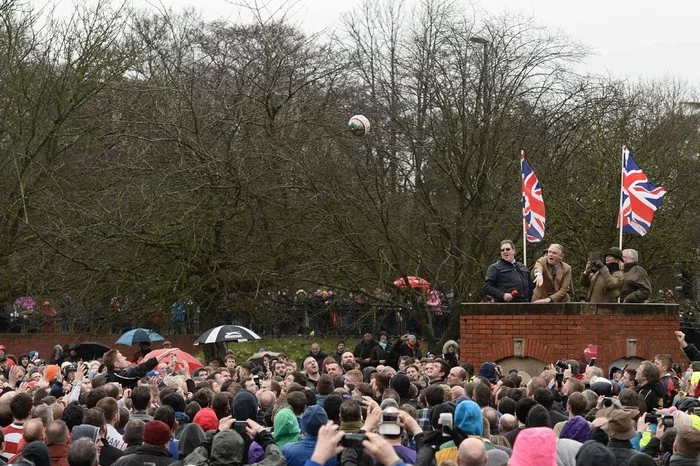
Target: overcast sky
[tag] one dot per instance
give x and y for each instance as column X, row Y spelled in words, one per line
column 636, row 39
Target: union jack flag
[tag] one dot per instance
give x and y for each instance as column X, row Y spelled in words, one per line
column 533, row 204
column 640, row 199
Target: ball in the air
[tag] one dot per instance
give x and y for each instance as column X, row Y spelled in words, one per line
column 359, row 125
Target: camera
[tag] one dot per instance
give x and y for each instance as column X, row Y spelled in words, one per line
column 389, row 424
column 561, row 364
column 240, row 426
column 352, row 440
column 667, row 421
column 445, row 421
column 651, row 418
column 607, row 402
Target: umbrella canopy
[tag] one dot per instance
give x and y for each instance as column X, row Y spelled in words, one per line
column 224, row 333
column 258, row 357
column 193, row 362
column 89, row 350
column 139, row 335
column 414, row 283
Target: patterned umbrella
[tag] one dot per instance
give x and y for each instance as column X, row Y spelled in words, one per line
column 139, row 335
column 193, row 362
column 224, row 333
column 415, row 283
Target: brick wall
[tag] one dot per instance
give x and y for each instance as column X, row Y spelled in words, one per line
column 18, row 343
column 562, row 331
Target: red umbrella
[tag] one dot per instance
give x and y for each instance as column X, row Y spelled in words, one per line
column 415, row 283
column 181, row 356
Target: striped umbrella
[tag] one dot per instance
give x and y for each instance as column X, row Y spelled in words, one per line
column 224, row 333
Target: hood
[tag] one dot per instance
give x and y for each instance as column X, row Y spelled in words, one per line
column 535, row 446
column 366, row 372
column 449, row 344
column 84, row 431
column 468, row 418
column 227, row 449
column 38, row 453
column 576, row 428
column 245, row 406
column 538, row 417
column 402, row 384
column 286, row 427
column 313, row 418
column 566, row 451
column 593, row 453
column 191, row 437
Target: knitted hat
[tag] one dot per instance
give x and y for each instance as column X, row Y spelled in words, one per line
column 38, row 453
column 313, row 418
column 402, row 384
column 51, row 372
column 245, row 406
column 157, row 433
column 488, row 371
column 535, row 446
column 207, row 420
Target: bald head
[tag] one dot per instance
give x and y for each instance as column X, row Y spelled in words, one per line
column 33, row 431
column 507, row 423
column 472, row 452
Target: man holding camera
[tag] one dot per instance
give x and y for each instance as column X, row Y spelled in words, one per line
column 604, row 281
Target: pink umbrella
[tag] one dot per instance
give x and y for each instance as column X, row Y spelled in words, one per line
column 415, row 283
column 181, row 356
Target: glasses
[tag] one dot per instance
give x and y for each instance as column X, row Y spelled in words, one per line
column 505, row 249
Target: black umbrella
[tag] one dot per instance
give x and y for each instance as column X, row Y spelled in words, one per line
column 224, row 333
column 89, row 350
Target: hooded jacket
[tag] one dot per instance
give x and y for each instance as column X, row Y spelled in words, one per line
column 576, row 428
column 537, row 447
column 155, row 455
column 191, row 437
column 286, row 428
column 450, row 358
column 593, row 453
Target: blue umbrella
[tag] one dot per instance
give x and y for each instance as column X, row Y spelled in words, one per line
column 139, row 335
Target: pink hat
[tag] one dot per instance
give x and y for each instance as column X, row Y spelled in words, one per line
column 207, row 420
column 535, row 446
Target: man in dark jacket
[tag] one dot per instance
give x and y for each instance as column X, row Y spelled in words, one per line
column 155, row 436
column 620, row 428
column 689, row 349
column 117, row 364
column 316, row 353
column 636, row 287
column 649, row 386
column 407, row 345
column 507, row 280
column 363, row 350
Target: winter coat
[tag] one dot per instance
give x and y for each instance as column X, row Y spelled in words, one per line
column 379, row 354
column 636, row 287
column 679, row 460
column 286, row 428
column 156, row 455
column 298, row 453
column 622, row 451
column 450, row 358
column 503, row 277
column 603, row 286
column 653, row 395
column 364, row 351
column 559, row 287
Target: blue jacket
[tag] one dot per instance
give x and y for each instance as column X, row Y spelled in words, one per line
column 299, row 453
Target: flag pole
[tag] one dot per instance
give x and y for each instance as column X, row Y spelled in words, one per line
column 622, row 183
column 522, row 201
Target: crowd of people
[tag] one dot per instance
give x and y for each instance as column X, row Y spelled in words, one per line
column 383, row 403
column 617, row 276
